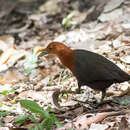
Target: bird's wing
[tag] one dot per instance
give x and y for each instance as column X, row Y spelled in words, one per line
column 91, row 67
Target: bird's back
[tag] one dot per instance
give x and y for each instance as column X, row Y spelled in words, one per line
column 93, row 69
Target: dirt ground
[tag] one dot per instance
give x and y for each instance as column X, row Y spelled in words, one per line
column 27, row 26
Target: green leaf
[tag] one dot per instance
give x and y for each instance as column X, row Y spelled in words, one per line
column 5, row 92
column 72, row 23
column 32, row 106
column 32, row 118
column 65, row 95
column 49, row 119
column 1, row 123
column 14, row 100
column 69, row 16
column 58, row 124
column 12, row 91
column 21, row 119
column 47, row 123
column 32, row 50
column 30, row 62
column 46, row 113
column 37, row 127
column 125, row 102
column 65, row 21
column 4, row 113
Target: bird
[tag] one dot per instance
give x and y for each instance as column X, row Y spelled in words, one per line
column 89, row 68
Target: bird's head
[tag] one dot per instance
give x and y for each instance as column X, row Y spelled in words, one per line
column 57, row 48
column 64, row 53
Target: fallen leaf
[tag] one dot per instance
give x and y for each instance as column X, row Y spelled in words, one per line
column 112, row 4
column 8, row 119
column 4, row 81
column 9, row 57
column 33, row 94
column 6, row 41
column 126, row 25
column 116, row 43
column 125, row 59
column 6, row 55
column 6, row 7
column 46, row 7
column 4, row 128
column 11, row 76
column 4, row 87
column 114, row 15
column 98, row 126
column 83, row 121
column 123, row 124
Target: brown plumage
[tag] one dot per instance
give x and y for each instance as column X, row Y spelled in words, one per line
column 89, row 68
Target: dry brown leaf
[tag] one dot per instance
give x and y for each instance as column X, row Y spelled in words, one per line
column 83, row 121
column 11, row 76
column 6, row 41
column 9, row 57
column 123, row 124
column 33, row 94
column 112, row 4
column 6, row 55
column 4, row 81
column 111, row 16
column 54, row 7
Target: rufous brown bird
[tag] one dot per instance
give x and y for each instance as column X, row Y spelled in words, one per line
column 91, row 69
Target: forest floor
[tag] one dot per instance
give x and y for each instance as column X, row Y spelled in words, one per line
column 28, row 26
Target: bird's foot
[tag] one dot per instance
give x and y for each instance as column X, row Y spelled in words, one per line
column 106, row 102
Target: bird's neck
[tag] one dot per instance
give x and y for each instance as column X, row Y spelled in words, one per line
column 67, row 58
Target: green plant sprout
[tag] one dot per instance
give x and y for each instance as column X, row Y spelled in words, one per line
column 48, row 119
column 67, row 20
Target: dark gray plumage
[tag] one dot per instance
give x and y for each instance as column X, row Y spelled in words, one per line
column 96, row 71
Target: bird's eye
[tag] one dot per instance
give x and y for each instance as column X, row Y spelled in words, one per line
column 50, row 48
column 54, row 46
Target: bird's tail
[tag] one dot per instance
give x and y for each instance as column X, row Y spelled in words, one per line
column 126, row 77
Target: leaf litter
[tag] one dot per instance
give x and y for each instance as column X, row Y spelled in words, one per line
column 48, row 76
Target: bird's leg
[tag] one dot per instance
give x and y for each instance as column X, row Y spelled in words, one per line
column 101, row 101
column 79, row 87
column 106, row 101
column 103, row 94
column 78, row 90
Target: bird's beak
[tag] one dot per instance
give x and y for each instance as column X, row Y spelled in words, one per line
column 43, row 52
